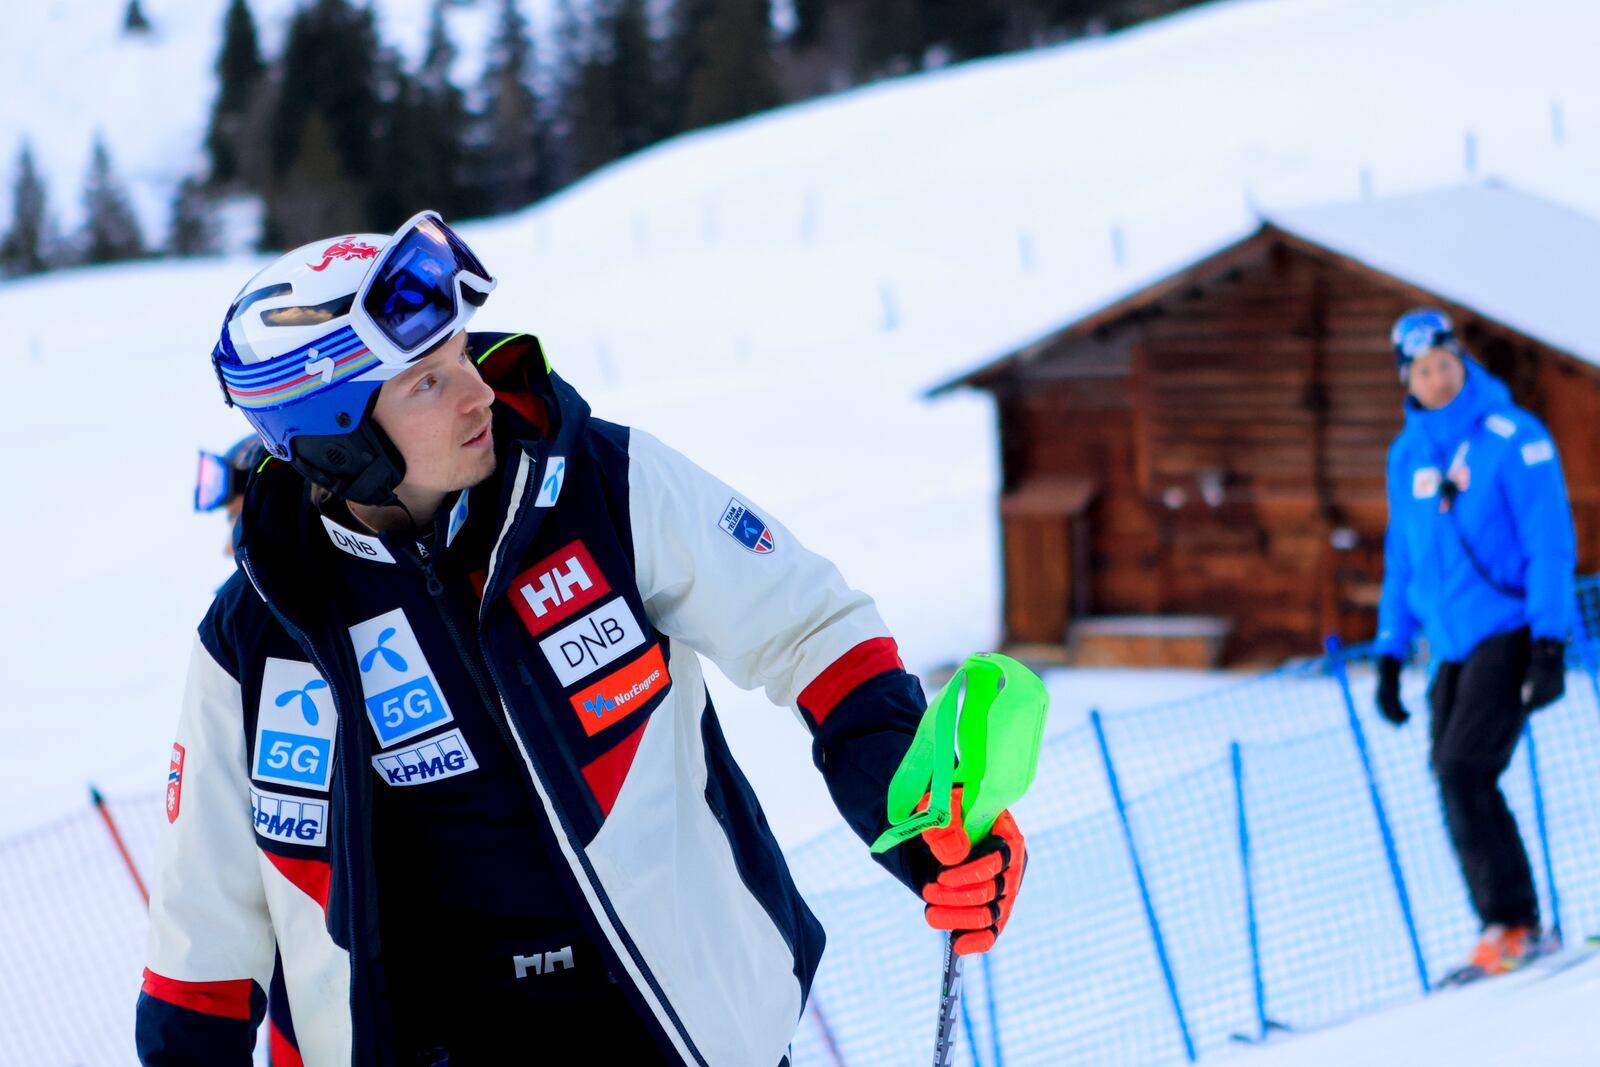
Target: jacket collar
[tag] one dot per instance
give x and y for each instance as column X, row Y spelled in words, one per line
column 1481, row 394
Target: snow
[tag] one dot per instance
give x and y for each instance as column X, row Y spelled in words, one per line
column 1515, row 258
column 772, row 298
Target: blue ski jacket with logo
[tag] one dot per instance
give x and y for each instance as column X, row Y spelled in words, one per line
column 611, row 564
column 1496, row 558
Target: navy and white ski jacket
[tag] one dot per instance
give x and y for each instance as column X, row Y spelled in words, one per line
column 1502, row 555
column 683, row 888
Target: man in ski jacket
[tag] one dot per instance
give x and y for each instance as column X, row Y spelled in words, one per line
column 446, row 751
column 1480, row 556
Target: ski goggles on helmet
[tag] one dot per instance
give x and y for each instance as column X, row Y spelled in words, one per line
column 419, row 291
column 1416, row 332
column 214, row 483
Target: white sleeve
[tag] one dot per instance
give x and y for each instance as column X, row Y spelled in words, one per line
column 762, row 607
column 208, row 908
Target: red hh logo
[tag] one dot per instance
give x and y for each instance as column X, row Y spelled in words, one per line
column 174, row 782
column 558, row 586
column 349, row 248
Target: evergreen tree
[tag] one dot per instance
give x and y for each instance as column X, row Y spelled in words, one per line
column 238, row 76
column 133, row 19
column 194, row 227
column 452, row 185
column 514, row 144
column 736, row 77
column 110, row 228
column 30, row 244
column 630, row 55
column 893, row 37
column 328, row 65
column 686, row 56
column 315, row 196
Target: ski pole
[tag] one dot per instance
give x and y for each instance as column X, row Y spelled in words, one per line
column 116, row 839
column 992, row 712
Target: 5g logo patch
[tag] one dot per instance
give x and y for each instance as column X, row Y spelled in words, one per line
column 402, row 698
column 295, row 726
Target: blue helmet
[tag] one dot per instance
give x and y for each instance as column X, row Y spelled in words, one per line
column 310, row 339
column 1416, row 332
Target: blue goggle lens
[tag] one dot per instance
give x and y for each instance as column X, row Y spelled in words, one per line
column 213, row 483
column 415, row 291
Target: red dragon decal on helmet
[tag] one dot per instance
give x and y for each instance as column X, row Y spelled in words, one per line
column 347, row 248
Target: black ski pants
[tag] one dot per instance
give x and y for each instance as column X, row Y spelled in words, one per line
column 1477, row 721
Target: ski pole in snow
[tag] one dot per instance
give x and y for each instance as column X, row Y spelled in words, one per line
column 982, row 732
column 116, row 839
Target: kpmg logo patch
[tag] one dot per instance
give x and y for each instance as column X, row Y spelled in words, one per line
column 557, row 587
column 292, row 820
column 600, row 637
column 439, row 757
column 747, row 528
column 402, row 698
column 295, row 726
column 618, row 694
column 174, row 782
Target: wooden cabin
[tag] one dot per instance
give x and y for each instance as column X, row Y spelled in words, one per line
column 1195, row 473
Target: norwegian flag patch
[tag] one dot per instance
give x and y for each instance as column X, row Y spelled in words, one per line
column 174, row 782
column 747, row 528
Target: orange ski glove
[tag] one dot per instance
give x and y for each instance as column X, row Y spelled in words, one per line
column 974, row 887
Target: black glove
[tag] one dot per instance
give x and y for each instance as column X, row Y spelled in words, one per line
column 1388, row 697
column 1547, row 674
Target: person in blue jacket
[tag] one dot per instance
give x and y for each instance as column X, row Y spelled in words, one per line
column 1479, row 556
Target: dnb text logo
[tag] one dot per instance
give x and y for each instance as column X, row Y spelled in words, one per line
column 349, row 248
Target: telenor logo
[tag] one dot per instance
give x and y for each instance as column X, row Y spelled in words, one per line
column 620, row 693
column 557, row 587
column 295, row 726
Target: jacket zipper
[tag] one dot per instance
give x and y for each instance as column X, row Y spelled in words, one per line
column 503, row 724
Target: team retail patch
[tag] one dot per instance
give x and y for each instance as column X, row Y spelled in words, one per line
column 618, row 694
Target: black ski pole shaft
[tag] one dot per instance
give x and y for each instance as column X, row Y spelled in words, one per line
column 944, row 1046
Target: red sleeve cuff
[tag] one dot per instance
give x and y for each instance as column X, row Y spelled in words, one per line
column 866, row 660
column 228, row 999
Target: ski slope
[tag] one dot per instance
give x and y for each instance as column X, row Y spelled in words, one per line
column 772, row 298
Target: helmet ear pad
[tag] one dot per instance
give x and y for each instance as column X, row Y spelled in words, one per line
column 361, row 465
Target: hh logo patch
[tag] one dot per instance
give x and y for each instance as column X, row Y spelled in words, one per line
column 619, row 693
column 292, row 820
column 746, row 527
column 557, row 587
column 444, row 756
column 174, row 782
column 402, row 698
column 295, row 726
column 1425, row 483
column 583, row 647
